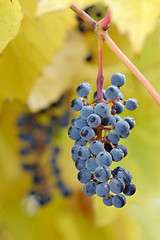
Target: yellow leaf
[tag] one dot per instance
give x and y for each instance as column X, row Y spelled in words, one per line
column 10, row 21
column 47, row 6
column 24, row 58
column 136, row 18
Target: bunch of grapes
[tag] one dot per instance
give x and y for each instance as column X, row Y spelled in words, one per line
column 38, row 133
column 97, row 132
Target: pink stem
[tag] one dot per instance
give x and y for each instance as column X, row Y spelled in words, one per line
column 100, row 77
column 106, row 20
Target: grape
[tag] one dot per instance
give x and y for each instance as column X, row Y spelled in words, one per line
column 29, row 167
column 108, row 200
column 126, row 175
column 73, row 120
column 84, row 176
column 102, row 110
column 102, row 173
column 90, row 188
column 125, row 135
column 117, row 185
column 113, row 137
column 87, row 133
column 74, row 133
column 130, row 121
column 121, row 96
column 77, row 104
column 118, row 79
column 108, row 121
column 86, row 111
column 80, row 164
column 96, row 95
column 74, row 152
column 91, row 164
column 118, row 118
column 131, row 104
column 112, row 92
column 130, row 189
column 84, row 89
column 122, row 127
column 93, row 120
column 81, row 142
column 102, row 189
column 83, row 153
column 124, row 149
column 104, row 158
column 117, row 154
column 116, row 170
column 107, row 147
column 80, row 123
column 96, row 147
column 119, row 107
column 119, row 200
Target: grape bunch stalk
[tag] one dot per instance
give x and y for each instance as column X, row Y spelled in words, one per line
column 97, row 132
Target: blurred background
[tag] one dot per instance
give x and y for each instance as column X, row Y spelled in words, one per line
column 46, row 52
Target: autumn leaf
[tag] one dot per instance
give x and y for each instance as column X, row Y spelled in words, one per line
column 10, row 17
column 24, row 58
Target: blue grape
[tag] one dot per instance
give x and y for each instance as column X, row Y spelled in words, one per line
column 96, row 147
column 118, row 118
column 131, row 104
column 117, row 185
column 83, row 153
column 43, row 198
column 80, row 123
column 84, row 89
column 104, row 158
column 117, row 154
column 74, row 120
column 28, row 167
column 102, row 173
column 80, row 164
column 93, row 120
column 121, row 96
column 87, row 133
column 24, row 151
column 74, row 152
column 77, row 104
column 130, row 121
column 96, row 95
column 118, row 79
column 102, row 110
column 119, row 107
column 116, row 170
column 108, row 200
column 124, row 149
column 86, row 111
column 102, row 190
column 84, row 175
column 64, row 120
column 125, row 135
column 74, row 133
column 126, row 175
column 107, row 147
column 113, row 137
column 108, row 121
column 91, row 164
column 130, row 189
column 81, row 142
column 90, row 188
column 122, row 128
column 112, row 93
column 119, row 200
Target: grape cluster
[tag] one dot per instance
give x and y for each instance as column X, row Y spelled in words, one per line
column 38, row 133
column 97, row 132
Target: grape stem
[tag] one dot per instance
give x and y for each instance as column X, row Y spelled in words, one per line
column 100, row 77
column 102, row 34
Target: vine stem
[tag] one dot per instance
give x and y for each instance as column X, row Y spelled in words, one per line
column 101, row 34
column 100, row 77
